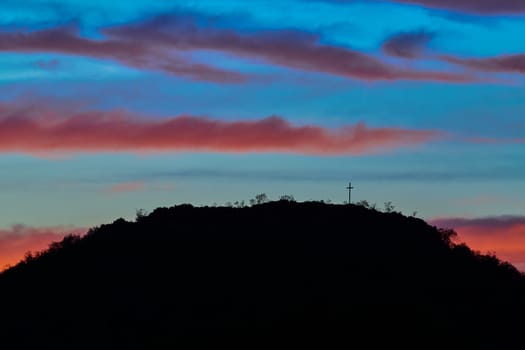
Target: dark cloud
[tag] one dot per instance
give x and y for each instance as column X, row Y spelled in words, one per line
column 473, row 6
column 407, row 44
column 161, row 43
column 130, row 52
column 498, row 64
column 288, row 48
column 481, row 7
column 483, row 224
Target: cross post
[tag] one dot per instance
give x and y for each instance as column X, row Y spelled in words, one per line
column 350, row 188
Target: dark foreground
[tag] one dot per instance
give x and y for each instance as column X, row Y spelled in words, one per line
column 277, row 274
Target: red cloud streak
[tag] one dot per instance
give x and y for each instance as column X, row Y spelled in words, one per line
column 19, row 239
column 31, row 131
column 503, row 235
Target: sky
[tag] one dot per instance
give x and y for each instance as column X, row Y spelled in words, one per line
column 107, row 107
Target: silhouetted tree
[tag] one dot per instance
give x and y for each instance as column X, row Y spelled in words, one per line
column 28, row 257
column 363, row 203
column 389, row 207
column 287, row 198
column 447, row 235
column 140, row 214
column 261, row 198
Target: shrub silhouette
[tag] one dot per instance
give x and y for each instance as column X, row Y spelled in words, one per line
column 279, row 273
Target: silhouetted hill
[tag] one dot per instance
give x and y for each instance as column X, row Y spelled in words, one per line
column 282, row 273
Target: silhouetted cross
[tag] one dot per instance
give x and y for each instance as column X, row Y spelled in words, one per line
column 349, row 188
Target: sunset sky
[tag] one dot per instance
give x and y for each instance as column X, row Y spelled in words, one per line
column 107, row 107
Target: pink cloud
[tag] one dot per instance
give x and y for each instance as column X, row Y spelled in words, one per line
column 504, row 235
column 126, row 187
column 30, row 130
column 19, row 239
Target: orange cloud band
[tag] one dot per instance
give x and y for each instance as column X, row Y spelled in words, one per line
column 32, row 131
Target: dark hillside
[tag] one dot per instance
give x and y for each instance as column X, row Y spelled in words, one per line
column 298, row 273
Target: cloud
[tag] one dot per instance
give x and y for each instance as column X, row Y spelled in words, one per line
column 19, row 239
column 126, row 187
column 480, row 7
column 472, row 6
column 42, row 131
column 162, row 44
column 288, row 48
column 129, row 52
column 496, row 141
column 499, row 64
column 50, row 65
column 407, row 44
column 503, row 235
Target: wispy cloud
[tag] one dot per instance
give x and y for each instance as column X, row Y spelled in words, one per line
column 504, row 235
column 19, row 239
column 125, row 187
column 288, row 48
column 43, row 130
column 407, row 44
column 161, row 43
column 496, row 141
column 412, row 45
column 128, row 51
column 472, row 6
column 480, row 7
column 50, row 65
column 497, row 64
